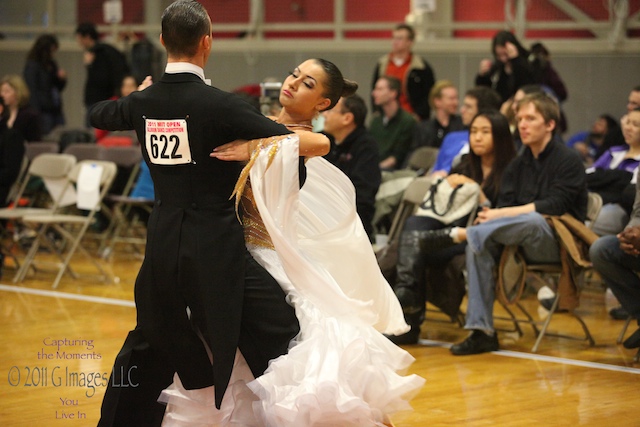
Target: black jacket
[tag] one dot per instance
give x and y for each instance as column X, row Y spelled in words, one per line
column 104, row 74
column 357, row 157
column 507, row 84
column 555, row 182
column 11, row 154
column 195, row 245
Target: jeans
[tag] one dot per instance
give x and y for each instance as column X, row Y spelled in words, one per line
column 485, row 243
column 618, row 270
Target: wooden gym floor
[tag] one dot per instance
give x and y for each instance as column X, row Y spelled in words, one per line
column 58, row 348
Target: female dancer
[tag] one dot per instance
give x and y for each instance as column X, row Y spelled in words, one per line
column 340, row 370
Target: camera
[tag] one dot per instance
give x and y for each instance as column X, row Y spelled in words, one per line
column 269, row 97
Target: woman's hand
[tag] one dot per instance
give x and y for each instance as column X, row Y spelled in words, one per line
column 238, row 150
column 485, row 67
column 148, row 81
column 456, row 179
column 487, row 214
column 512, row 50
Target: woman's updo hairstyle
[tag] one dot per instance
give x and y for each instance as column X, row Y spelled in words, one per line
column 336, row 86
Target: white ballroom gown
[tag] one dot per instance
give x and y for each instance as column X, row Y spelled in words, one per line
column 340, row 370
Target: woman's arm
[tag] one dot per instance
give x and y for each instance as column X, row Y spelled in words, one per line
column 311, row 144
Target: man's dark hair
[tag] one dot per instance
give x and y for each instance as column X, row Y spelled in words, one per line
column 184, row 23
column 636, row 89
column 487, row 98
column 355, row 105
column 407, row 28
column 394, row 84
column 87, row 29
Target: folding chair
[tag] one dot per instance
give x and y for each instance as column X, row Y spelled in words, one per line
column 128, row 161
column 85, row 151
column 423, row 159
column 15, row 188
column 71, row 227
column 53, row 170
column 620, row 339
column 34, row 149
column 539, row 272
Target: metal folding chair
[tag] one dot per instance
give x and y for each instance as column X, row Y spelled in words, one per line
column 34, row 149
column 120, row 204
column 71, row 227
column 540, row 272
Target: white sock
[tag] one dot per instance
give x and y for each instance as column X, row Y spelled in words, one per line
column 454, row 234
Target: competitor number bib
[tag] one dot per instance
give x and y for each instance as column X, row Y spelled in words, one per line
column 167, row 141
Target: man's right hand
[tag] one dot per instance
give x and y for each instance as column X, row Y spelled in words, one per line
column 630, row 240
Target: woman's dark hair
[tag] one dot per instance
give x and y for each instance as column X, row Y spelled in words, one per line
column 184, row 22
column 41, row 51
column 335, row 85
column 503, row 150
column 611, row 122
column 504, row 37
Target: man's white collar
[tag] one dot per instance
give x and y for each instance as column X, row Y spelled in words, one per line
column 186, row 67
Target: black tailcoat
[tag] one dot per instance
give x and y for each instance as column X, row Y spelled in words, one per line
column 195, row 254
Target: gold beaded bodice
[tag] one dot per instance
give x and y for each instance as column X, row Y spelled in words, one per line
column 255, row 232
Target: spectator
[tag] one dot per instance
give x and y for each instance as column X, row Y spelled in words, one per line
column 455, row 144
column 19, row 114
column 510, row 107
column 613, row 173
column 545, row 75
column 11, row 154
column 106, row 66
column 414, row 73
column 46, row 82
column 128, row 85
column 547, row 178
column 616, row 259
column 443, row 99
column 393, row 127
column 509, row 69
column 492, row 150
column 588, row 143
column 615, row 137
column 355, row 152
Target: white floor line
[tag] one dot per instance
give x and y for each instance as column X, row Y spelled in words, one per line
column 431, row 343
column 65, row 295
column 543, row 358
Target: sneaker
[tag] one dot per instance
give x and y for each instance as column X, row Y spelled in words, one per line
column 408, row 338
column 619, row 313
column 546, row 298
column 477, row 342
column 436, row 240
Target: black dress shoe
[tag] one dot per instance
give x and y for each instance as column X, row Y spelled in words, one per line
column 476, row 343
column 408, row 338
column 435, row 240
column 633, row 341
column 619, row 313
